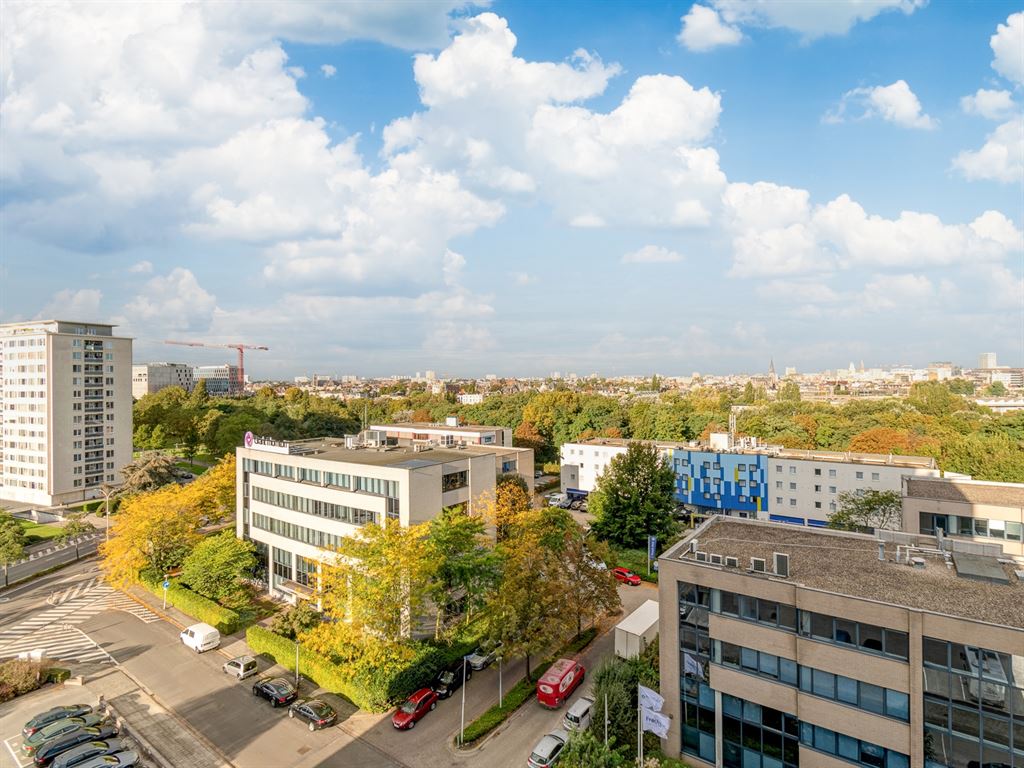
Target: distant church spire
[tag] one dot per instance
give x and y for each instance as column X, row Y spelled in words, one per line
column 772, row 377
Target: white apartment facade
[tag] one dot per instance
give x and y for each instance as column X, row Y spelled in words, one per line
column 148, row 378
column 297, row 500
column 66, row 410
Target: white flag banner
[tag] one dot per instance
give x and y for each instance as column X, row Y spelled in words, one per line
column 650, row 699
column 655, row 722
column 692, row 667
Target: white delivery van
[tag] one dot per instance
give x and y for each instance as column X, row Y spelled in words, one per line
column 578, row 716
column 200, row 637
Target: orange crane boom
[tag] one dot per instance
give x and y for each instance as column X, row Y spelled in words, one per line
column 239, row 384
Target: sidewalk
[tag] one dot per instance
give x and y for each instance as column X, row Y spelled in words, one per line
column 165, row 738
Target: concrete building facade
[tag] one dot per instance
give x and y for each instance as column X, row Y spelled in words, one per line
column 784, row 647
column 66, row 410
column 296, row 500
column 985, row 512
column 148, row 378
column 769, row 482
column 220, row 379
column 447, row 434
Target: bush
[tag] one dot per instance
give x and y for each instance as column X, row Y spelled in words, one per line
column 314, row 666
column 296, row 620
column 56, row 675
column 185, row 600
column 18, row 677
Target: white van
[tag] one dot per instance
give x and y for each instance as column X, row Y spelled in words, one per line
column 578, row 716
column 200, row 637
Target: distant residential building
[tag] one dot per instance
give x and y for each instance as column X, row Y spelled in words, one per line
column 470, row 398
column 148, row 378
column 298, row 499
column 301, row 380
column 66, row 410
column 1001, row 404
column 790, row 370
column 785, row 647
column 987, row 360
column 768, row 482
column 986, row 512
column 221, row 380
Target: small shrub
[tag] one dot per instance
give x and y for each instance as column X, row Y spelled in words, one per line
column 56, row 675
column 17, row 678
column 296, row 620
column 185, row 600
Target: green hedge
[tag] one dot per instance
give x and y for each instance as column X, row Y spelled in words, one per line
column 521, row 691
column 185, row 600
column 373, row 692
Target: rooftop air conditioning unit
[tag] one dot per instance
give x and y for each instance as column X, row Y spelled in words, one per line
column 757, row 564
column 702, row 557
column 716, row 559
column 732, row 562
column 781, row 564
column 693, row 545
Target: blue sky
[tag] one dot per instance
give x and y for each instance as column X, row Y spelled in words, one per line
column 520, row 188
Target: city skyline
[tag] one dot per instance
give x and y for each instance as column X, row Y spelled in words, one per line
column 696, row 187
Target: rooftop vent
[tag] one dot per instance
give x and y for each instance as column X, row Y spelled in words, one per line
column 918, row 562
column 732, row 562
column 781, row 564
column 693, row 544
column 881, row 551
column 716, row 559
column 757, row 564
column 702, row 557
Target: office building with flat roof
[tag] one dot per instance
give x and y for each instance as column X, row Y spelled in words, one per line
column 783, row 647
column 148, row 378
column 296, row 500
column 65, row 408
column 977, row 510
column 763, row 481
column 221, row 380
column 449, row 433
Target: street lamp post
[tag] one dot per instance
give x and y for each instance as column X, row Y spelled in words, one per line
column 107, row 490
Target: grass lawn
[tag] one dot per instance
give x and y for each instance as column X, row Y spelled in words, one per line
column 195, row 469
column 37, row 532
column 636, row 561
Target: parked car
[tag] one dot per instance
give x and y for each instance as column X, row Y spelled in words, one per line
column 86, row 751
column 538, row 473
column 578, row 716
column 450, row 679
column 557, row 684
column 276, row 690
column 241, row 667
column 575, row 503
column 548, row 749
column 55, row 747
column 483, row 657
column 126, row 759
column 564, row 504
column 318, row 714
column 626, row 576
column 413, row 709
column 58, row 729
column 200, row 637
column 54, row 714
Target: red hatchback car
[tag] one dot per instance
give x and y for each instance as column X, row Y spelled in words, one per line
column 626, row 576
column 414, row 708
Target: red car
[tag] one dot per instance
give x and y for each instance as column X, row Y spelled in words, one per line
column 557, row 684
column 626, row 576
column 414, row 708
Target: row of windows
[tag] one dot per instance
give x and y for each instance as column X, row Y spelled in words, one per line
column 374, row 485
column 850, row 749
column 295, row 533
column 858, row 635
column 323, row 509
column 454, row 480
column 754, row 736
column 954, row 525
column 845, row 690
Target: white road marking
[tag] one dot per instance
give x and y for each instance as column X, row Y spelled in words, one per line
column 19, row 758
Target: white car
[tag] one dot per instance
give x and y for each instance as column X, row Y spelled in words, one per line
column 548, row 750
column 482, row 657
column 578, row 716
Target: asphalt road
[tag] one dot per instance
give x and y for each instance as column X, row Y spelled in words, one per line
column 20, row 571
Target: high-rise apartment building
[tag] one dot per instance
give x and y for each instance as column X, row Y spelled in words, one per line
column 66, row 410
column 220, row 379
column 148, row 378
column 784, row 647
column 987, row 360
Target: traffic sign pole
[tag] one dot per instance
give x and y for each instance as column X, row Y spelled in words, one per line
column 167, row 583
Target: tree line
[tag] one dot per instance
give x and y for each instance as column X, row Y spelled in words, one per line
column 935, row 419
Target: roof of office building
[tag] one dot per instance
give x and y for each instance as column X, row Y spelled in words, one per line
column 401, row 457
column 847, row 564
column 404, row 425
column 776, row 451
column 967, row 491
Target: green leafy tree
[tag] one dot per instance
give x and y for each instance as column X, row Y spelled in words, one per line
column 790, row 391
column 218, row 566
column 467, row 567
column 297, row 620
column 868, row 510
column 587, row 750
column 996, row 389
column 634, row 497
column 75, row 525
column 590, row 589
column 960, row 386
column 12, row 541
column 151, row 470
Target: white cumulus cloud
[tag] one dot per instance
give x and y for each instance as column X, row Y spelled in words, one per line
column 651, row 254
column 1008, row 48
column 894, row 103
column 173, row 301
column 141, row 267
column 811, row 19
column 70, row 304
column 990, row 104
column 703, row 30
column 328, row 70
column 1000, row 158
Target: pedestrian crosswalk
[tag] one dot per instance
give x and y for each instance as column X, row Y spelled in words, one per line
column 59, row 641
column 54, row 629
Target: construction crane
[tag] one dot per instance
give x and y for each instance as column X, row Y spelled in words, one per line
column 238, row 385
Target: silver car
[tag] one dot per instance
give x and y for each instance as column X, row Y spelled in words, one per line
column 482, row 657
column 548, row 750
column 241, row 667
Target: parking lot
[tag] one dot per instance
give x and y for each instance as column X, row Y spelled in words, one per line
column 14, row 715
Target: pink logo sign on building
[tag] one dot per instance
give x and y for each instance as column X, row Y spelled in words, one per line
column 248, row 439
